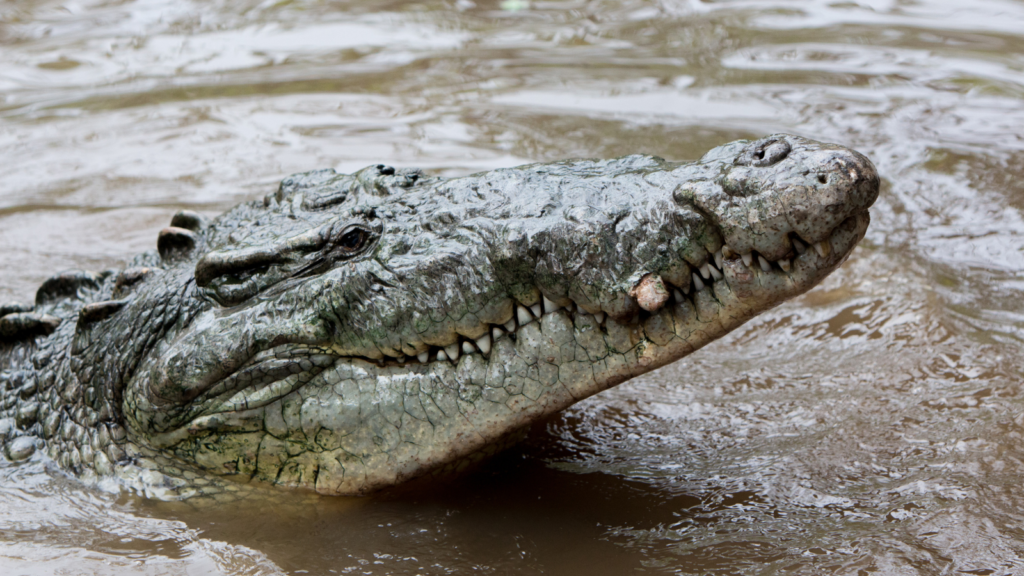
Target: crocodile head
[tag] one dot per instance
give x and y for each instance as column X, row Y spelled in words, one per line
column 353, row 331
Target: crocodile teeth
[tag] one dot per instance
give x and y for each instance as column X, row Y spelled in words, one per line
column 549, row 306
column 484, row 343
column 697, row 283
column 524, row 316
column 452, row 351
column 701, row 278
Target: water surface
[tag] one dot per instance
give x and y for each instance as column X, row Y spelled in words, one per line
column 872, row 426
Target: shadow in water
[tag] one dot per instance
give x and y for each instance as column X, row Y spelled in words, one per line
column 513, row 513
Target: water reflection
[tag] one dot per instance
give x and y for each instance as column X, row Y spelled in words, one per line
column 872, row 426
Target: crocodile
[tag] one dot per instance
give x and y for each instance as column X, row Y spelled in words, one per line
column 349, row 332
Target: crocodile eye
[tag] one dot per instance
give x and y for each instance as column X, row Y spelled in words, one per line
column 353, row 240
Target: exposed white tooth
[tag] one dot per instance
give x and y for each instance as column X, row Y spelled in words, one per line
column 822, row 248
column 550, row 306
column 510, row 326
column 452, row 351
column 697, row 284
column 484, row 343
column 441, row 356
column 678, row 295
column 716, row 274
column 704, row 271
column 599, row 317
column 401, row 359
column 765, row 265
column 686, row 290
column 523, row 314
column 467, row 348
column 423, row 357
column 719, row 259
column 537, row 312
column 800, row 246
column 748, row 259
column 496, row 333
column 785, row 264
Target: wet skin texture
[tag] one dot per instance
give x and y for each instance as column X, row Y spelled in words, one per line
column 351, row 332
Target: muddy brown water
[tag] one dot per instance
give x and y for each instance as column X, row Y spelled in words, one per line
column 872, row 426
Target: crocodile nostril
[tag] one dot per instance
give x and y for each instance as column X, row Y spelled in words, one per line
column 765, row 152
column 773, row 152
column 822, row 179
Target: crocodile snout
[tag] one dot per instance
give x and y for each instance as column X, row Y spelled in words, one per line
column 784, row 186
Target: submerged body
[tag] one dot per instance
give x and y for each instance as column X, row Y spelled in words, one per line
column 350, row 332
